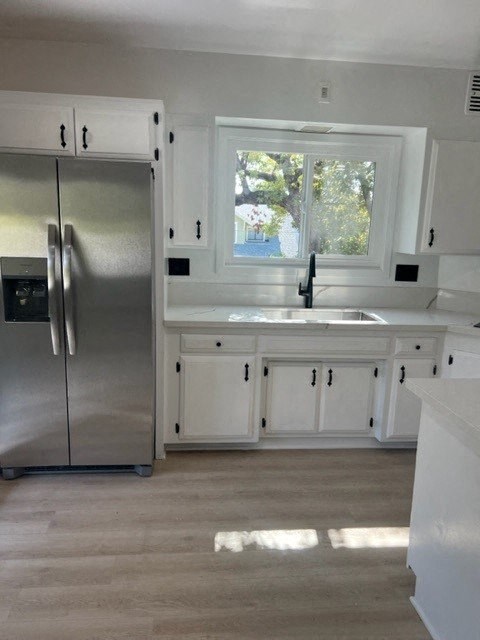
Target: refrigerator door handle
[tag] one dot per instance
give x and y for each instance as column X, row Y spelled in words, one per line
column 67, row 288
column 52, row 248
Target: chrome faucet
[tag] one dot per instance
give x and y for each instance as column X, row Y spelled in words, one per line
column 307, row 291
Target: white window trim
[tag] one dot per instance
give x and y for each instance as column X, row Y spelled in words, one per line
column 385, row 151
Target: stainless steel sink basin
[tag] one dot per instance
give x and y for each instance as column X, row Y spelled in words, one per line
column 327, row 316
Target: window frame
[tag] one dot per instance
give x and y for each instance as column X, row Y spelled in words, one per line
column 385, row 151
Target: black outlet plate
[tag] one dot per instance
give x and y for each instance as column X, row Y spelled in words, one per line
column 178, row 266
column 406, row 273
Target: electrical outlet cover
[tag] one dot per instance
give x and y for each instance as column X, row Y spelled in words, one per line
column 324, row 92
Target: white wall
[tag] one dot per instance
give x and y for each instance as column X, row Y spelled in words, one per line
column 255, row 87
column 246, row 86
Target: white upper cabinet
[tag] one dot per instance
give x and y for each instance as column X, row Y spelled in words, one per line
column 43, row 129
column 462, row 364
column 346, row 398
column 54, row 124
column 405, row 407
column 452, row 212
column 188, row 166
column 114, row 133
column 292, row 398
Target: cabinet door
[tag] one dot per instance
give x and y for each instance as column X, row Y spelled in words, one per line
column 452, row 199
column 189, row 165
column 216, row 398
column 116, row 134
column 463, row 364
column 405, row 407
column 347, row 395
column 36, row 129
column 292, row 397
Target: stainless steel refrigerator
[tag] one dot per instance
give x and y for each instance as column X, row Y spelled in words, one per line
column 76, row 330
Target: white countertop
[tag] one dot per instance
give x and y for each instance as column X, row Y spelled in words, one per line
column 217, row 316
column 457, row 399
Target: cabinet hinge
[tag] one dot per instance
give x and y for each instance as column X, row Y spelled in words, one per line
column 177, row 367
column 171, row 137
column 265, row 371
column 156, row 119
column 171, row 233
column 371, row 422
column 450, row 359
column 177, row 428
column 264, row 423
column 156, row 154
column 153, row 173
column 434, row 369
column 375, row 372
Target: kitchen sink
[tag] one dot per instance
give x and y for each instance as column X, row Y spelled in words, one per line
column 320, row 315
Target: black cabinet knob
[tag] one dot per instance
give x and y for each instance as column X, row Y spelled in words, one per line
column 417, row 347
column 219, row 344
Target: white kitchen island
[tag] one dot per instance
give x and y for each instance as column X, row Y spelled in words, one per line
column 444, row 550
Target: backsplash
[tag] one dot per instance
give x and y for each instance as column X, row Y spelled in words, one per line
column 196, row 293
column 460, row 273
column 463, row 301
column 459, row 284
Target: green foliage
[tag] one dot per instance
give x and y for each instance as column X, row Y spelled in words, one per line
column 341, row 207
column 341, row 197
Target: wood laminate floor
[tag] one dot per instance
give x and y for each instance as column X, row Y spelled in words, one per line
column 117, row 557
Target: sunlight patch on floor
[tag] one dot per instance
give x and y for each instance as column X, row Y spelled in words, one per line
column 369, row 538
column 278, row 539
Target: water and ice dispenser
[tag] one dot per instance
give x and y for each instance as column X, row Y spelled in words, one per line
column 25, row 289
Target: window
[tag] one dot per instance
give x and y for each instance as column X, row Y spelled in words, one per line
column 283, row 195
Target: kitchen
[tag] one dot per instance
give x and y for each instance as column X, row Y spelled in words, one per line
column 212, row 413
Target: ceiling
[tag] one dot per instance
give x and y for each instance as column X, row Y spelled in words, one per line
column 435, row 33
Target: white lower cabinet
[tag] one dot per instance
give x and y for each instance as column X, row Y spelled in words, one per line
column 347, row 398
column 216, row 395
column 216, row 398
column 292, row 397
column 326, row 398
column 405, row 407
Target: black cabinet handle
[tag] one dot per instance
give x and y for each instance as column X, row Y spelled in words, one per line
column 432, row 237
column 330, row 378
column 199, row 224
column 314, row 377
column 418, row 347
column 85, row 145
column 402, row 369
column 246, row 372
column 62, row 136
column 219, row 344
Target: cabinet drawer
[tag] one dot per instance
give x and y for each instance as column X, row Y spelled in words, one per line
column 416, row 345
column 210, row 343
column 323, row 344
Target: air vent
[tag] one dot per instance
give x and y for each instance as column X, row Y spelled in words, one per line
column 314, row 128
column 472, row 105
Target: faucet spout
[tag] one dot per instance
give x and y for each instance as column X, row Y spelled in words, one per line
column 307, row 290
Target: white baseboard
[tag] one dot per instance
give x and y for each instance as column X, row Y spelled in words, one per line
column 425, row 620
column 291, row 443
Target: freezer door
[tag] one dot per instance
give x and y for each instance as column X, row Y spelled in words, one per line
column 33, row 405
column 105, row 210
